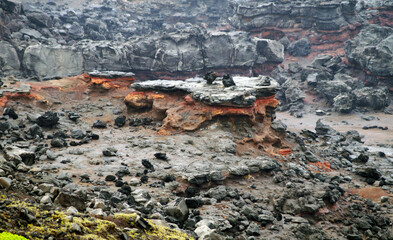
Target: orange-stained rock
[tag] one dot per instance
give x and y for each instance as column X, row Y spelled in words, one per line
column 181, row 113
column 107, row 82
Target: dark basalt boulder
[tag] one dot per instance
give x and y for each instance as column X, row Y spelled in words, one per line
column 372, row 50
column 48, row 119
column 301, row 47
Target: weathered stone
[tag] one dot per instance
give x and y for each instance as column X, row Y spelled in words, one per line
column 301, row 47
column 67, row 200
column 372, row 49
column 177, row 209
column 52, row 61
column 246, row 91
column 272, row 50
column 9, row 61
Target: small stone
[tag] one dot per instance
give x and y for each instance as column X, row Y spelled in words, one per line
column 5, row 182
column 46, row 200
column 110, row 178
column 177, row 209
column 51, row 155
column 161, row 156
column 72, row 210
column 109, row 152
column 99, row 124
column 76, row 228
column 120, row 121
column 384, row 199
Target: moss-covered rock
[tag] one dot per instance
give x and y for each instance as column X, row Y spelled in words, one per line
column 29, row 220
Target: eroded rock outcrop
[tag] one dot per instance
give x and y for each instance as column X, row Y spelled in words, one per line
column 188, row 105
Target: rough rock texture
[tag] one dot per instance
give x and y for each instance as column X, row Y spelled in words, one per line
column 244, row 94
column 187, row 105
column 46, row 62
column 329, row 15
column 372, row 50
column 9, row 61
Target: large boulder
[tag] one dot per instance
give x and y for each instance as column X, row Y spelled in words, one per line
column 9, row 61
column 52, row 61
column 331, row 89
column 229, row 49
column 372, row 49
column 301, row 47
column 375, row 98
column 272, row 50
column 344, row 102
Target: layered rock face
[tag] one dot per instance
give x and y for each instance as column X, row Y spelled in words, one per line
column 321, row 15
column 186, row 52
column 188, row 105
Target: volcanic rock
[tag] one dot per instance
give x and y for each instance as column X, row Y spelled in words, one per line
column 10, row 112
column 177, row 209
column 372, row 50
column 9, row 60
column 48, row 119
column 272, row 50
column 120, row 121
column 300, row 47
column 227, row 81
column 18, row 155
column 246, row 91
column 375, row 98
column 47, row 62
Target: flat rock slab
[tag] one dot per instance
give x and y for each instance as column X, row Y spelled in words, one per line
column 244, row 94
column 110, row 74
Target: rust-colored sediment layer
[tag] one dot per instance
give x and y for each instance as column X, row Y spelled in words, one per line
column 181, row 113
column 109, row 83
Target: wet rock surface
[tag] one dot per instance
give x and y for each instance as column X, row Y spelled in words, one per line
column 207, row 182
column 107, row 155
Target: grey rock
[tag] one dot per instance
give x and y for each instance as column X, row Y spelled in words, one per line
column 218, row 193
column 51, row 155
column 269, row 164
column 52, row 61
column 246, row 91
column 323, row 129
column 344, row 102
column 5, row 182
column 291, row 206
column 177, row 209
column 46, row 200
column 253, row 229
column 331, row 89
column 301, row 47
column 9, row 61
column 66, row 200
column 272, row 50
column 18, row 155
column 372, row 49
column 369, row 172
column 239, row 170
column 199, row 178
column 375, row 98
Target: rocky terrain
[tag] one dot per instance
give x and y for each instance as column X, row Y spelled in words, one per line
column 213, row 119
